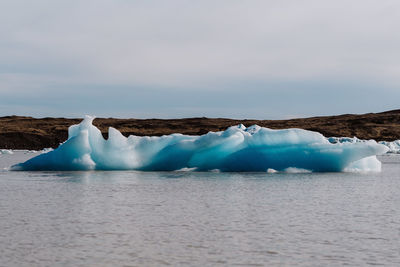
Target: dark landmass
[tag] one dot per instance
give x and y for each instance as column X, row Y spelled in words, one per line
column 30, row 133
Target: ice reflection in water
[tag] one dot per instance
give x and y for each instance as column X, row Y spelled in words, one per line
column 186, row 218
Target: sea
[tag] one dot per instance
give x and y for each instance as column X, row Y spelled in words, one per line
column 183, row 218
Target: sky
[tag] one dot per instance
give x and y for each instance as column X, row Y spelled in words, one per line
column 173, row 59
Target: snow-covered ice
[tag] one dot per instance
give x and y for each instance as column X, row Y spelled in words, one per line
column 236, row 149
column 394, row 146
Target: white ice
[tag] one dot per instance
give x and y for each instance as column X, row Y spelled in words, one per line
column 394, row 146
column 236, row 149
column 6, row 151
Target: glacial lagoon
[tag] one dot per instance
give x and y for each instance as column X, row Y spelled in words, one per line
column 134, row 218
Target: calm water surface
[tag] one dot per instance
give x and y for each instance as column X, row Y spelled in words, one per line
column 128, row 218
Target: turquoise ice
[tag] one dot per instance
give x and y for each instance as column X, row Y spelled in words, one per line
column 253, row 149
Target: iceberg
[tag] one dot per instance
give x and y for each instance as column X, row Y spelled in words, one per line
column 394, row 146
column 237, row 149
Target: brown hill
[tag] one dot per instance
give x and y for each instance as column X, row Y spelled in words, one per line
column 30, row 133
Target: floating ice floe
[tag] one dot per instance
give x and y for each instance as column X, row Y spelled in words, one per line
column 6, row 151
column 236, row 149
column 46, row 150
column 394, row 147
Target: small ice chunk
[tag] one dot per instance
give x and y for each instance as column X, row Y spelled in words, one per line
column 6, row 152
column 394, row 146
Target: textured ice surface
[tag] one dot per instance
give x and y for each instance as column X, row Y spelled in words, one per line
column 236, row 149
column 394, row 147
column 335, row 140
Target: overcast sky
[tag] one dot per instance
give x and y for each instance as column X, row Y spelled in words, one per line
column 243, row 59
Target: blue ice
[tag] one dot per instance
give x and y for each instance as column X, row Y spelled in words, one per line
column 252, row 149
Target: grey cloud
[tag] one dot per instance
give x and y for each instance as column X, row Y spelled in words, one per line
column 198, row 46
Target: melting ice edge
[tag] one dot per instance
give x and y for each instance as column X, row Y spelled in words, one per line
column 238, row 148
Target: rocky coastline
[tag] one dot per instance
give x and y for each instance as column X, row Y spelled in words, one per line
column 19, row 132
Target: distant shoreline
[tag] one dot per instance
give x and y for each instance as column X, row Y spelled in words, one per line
column 18, row 132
